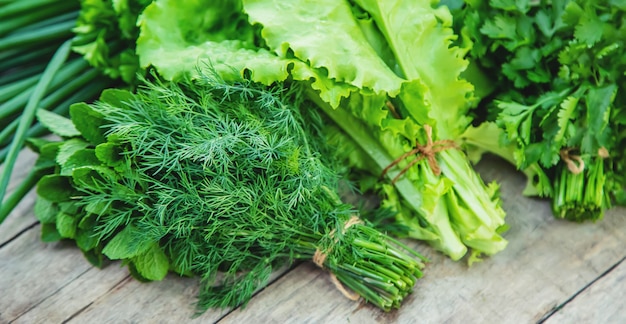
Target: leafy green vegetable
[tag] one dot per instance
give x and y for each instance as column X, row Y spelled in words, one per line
column 558, row 70
column 106, row 33
column 226, row 181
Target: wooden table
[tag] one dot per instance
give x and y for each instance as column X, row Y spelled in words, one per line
column 552, row 271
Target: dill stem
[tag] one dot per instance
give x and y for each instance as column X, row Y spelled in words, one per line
column 369, row 294
column 363, row 272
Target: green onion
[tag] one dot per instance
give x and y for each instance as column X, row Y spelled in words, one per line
column 29, row 113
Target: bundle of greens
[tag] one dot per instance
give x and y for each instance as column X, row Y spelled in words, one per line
column 223, row 180
column 37, row 71
column 106, row 33
column 384, row 71
column 555, row 70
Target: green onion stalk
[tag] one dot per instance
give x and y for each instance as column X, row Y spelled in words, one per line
column 227, row 181
column 37, row 72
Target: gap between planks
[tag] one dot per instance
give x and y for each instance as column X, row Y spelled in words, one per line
column 584, row 289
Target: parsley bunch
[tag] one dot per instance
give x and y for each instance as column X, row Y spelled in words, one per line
column 557, row 82
column 105, row 34
column 226, row 181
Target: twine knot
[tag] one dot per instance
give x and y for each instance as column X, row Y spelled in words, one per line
column 319, row 258
column 574, row 167
column 426, row 151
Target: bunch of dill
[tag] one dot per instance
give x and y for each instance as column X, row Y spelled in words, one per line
column 223, row 180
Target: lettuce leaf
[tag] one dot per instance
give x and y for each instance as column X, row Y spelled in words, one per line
column 420, row 36
column 223, row 41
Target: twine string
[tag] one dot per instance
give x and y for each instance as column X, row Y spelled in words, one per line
column 319, row 258
column 426, row 151
column 603, row 152
column 574, row 167
column 392, row 109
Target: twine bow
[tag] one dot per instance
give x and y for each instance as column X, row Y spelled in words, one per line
column 319, row 258
column 427, row 152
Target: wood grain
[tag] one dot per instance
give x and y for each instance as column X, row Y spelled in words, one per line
column 601, row 302
column 33, row 271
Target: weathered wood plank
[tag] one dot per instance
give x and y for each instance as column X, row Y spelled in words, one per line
column 33, row 271
column 168, row 301
column 602, row 302
column 53, row 283
column 546, row 262
column 76, row 295
column 304, row 295
column 45, row 283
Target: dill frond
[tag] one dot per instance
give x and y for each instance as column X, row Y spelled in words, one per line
column 229, row 181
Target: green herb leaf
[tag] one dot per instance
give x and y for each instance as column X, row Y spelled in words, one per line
column 49, row 233
column 152, row 264
column 68, row 148
column 66, row 225
column 57, row 124
column 80, row 158
column 109, row 154
column 86, row 240
column 45, row 210
column 89, row 122
column 55, row 188
column 127, row 244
